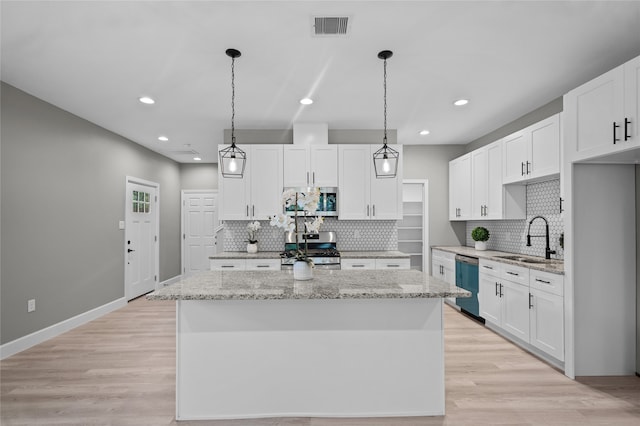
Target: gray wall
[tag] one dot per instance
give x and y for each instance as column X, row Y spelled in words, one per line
column 285, row 136
column 199, row 176
column 432, row 162
column 63, row 191
column 545, row 111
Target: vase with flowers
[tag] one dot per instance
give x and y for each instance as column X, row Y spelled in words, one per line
column 252, row 242
column 305, row 204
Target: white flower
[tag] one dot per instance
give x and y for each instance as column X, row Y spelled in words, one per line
column 289, row 197
column 253, row 226
column 314, row 227
column 283, row 221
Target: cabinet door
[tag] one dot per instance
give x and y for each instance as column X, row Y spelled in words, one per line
column 354, row 164
column 544, row 151
column 591, row 111
column 632, row 101
column 296, row 166
column 234, row 194
column 515, row 309
column 547, row 323
column 495, row 191
column 479, row 183
column 324, row 165
column 460, row 188
column 266, row 181
column 489, row 299
column 386, row 194
column 515, row 150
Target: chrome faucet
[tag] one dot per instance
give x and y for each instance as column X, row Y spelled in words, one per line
column 547, row 250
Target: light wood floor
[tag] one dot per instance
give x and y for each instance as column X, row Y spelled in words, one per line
column 120, row 370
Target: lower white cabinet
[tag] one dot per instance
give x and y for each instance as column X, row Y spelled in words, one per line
column 526, row 304
column 400, row 263
column 245, row 264
column 443, row 266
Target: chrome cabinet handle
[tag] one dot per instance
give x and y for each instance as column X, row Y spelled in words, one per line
column 374, row 210
column 496, row 288
column 528, row 164
column 367, row 209
column 247, row 210
column 500, row 290
column 307, row 178
column 357, row 266
column 522, row 168
column 543, row 281
column 513, row 273
column 615, row 139
column 253, row 210
column 530, row 300
column 627, row 135
column 226, row 266
column 393, row 266
column 262, row 266
column 314, row 178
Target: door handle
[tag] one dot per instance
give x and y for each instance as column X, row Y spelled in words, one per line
column 374, row 210
column 528, row 164
column 615, row 126
column 496, row 288
column 307, row 178
column 627, row 135
column 522, row 168
column 501, row 290
column 314, row 178
column 530, row 300
column 367, row 210
column 247, row 210
column 130, row 250
column 253, row 210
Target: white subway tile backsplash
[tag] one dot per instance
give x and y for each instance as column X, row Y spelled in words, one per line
column 358, row 235
column 543, row 199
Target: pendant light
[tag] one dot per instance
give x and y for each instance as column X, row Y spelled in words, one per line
column 232, row 158
column 385, row 160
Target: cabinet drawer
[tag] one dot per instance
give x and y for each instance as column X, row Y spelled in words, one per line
column 448, row 260
column 393, row 264
column 263, row 264
column 227, row 264
column 358, row 264
column 490, row 268
column 516, row 274
column 547, row 282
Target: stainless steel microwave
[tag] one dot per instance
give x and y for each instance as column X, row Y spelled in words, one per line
column 327, row 206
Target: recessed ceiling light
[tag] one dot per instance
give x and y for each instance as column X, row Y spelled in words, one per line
column 306, row 101
column 163, row 138
column 424, row 132
column 197, row 159
column 146, row 100
column 461, row 102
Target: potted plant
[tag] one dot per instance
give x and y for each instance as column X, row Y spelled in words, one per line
column 480, row 235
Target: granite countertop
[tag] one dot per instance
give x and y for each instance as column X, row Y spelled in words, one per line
column 554, row 266
column 326, row 284
column 388, row 254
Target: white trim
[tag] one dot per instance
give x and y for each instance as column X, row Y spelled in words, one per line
column 156, row 186
column 170, row 281
column 25, row 342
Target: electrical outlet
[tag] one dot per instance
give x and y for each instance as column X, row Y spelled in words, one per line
column 31, row 305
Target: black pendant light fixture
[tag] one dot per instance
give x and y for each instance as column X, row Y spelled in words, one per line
column 385, row 160
column 232, row 158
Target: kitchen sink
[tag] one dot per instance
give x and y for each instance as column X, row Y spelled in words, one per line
column 524, row 259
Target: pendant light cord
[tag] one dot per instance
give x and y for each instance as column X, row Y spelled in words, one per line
column 233, row 102
column 385, row 102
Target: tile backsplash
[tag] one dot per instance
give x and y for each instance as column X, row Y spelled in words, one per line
column 358, row 235
column 543, row 199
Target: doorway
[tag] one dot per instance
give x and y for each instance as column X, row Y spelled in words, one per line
column 200, row 227
column 141, row 253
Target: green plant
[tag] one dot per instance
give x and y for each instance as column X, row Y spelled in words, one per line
column 480, row 234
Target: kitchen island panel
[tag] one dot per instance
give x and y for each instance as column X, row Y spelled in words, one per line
column 331, row 358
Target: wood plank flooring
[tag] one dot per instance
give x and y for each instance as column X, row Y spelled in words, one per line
column 120, row 370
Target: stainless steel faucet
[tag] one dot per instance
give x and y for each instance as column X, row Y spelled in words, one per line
column 547, row 250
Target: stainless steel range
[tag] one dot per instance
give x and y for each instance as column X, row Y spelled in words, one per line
column 321, row 247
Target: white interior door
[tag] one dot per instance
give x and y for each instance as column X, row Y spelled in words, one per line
column 199, row 227
column 141, row 237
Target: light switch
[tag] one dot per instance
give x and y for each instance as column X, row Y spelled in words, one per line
column 121, row 224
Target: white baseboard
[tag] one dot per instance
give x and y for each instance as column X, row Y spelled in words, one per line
column 169, row 281
column 25, row 342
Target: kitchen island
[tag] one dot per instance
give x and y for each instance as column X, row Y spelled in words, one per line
column 345, row 344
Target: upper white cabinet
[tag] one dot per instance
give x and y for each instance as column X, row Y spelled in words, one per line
column 460, row 188
column 311, row 165
column 601, row 116
column 257, row 195
column 361, row 194
column 490, row 199
column 533, row 152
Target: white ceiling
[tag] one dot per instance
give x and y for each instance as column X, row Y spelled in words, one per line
column 95, row 59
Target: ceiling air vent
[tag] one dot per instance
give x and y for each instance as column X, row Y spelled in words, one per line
column 330, row 25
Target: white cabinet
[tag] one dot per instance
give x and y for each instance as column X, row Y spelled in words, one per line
column 460, row 188
column 491, row 199
column 533, row 152
column 401, row 263
column 363, row 196
column 257, row 195
column 525, row 303
column 601, row 116
column 443, row 266
column 314, row 165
